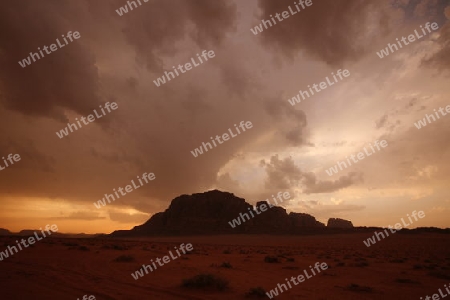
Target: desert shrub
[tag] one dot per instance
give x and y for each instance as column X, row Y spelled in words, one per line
column 359, row 288
column 397, row 261
column 125, row 258
column 115, row 247
column 226, row 251
column 440, row 274
column 119, row 247
column 361, row 264
column 271, row 259
column 290, row 259
column 406, row 280
column 256, row 292
column 431, row 266
column 83, row 248
column 202, row 281
column 70, row 244
column 226, row 265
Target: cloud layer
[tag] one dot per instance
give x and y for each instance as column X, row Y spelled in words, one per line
column 155, row 128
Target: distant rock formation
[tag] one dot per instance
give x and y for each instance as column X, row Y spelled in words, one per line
column 301, row 220
column 28, row 232
column 4, row 232
column 197, row 214
column 339, row 223
column 211, row 213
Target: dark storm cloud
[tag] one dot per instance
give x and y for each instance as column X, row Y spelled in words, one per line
column 68, row 78
column 118, row 156
column 64, row 79
column 331, row 31
column 153, row 130
column 156, row 27
column 30, row 156
column 294, row 135
column 196, row 102
column 313, row 186
column 284, row 174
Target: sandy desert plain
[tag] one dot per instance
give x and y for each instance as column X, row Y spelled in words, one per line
column 402, row 266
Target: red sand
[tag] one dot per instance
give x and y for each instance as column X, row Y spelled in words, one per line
column 398, row 267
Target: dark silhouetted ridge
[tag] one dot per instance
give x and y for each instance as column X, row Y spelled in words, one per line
column 210, row 213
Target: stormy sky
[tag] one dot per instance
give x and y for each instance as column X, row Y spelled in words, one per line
column 251, row 78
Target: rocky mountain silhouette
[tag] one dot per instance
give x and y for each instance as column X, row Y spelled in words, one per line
column 339, row 223
column 212, row 212
column 4, row 232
